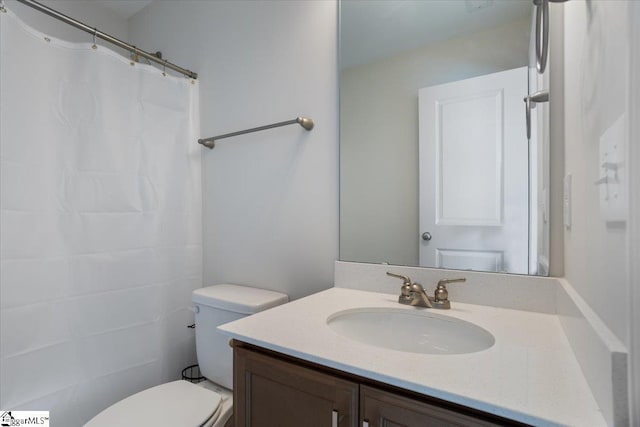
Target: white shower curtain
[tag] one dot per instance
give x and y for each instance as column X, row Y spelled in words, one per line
column 100, row 238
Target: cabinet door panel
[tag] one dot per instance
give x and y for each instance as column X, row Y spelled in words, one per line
column 269, row 392
column 383, row 409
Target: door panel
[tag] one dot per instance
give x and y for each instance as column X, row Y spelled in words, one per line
column 469, row 176
column 474, row 260
column 474, row 174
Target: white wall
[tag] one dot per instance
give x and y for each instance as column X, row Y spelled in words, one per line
column 90, row 13
column 596, row 95
column 634, row 231
column 270, row 198
column 556, row 138
column 599, row 78
column 379, row 136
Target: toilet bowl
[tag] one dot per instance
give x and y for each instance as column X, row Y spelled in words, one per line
column 170, row 404
column 209, row 403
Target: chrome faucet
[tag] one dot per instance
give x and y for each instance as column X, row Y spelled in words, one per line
column 414, row 294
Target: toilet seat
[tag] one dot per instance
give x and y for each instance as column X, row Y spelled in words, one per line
column 167, row 405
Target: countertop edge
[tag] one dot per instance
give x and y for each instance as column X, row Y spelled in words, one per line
column 253, row 338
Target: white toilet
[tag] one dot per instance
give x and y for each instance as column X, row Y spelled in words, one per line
column 208, row 403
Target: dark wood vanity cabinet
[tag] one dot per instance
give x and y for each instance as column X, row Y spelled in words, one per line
column 275, row 390
column 269, row 392
column 381, row 408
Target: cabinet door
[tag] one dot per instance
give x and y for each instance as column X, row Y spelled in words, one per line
column 381, row 409
column 273, row 393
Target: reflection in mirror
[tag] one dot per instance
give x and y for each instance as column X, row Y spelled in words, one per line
column 435, row 166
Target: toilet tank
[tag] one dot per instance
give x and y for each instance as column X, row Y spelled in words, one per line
column 215, row 306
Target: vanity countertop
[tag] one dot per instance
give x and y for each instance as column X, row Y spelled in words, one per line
column 530, row 374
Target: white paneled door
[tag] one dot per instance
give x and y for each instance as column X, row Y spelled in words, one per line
column 474, row 174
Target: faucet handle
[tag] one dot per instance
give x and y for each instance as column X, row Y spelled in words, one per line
column 443, row 282
column 405, row 290
column 441, row 294
column 406, row 279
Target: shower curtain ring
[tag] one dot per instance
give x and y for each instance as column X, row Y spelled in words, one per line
column 95, row 32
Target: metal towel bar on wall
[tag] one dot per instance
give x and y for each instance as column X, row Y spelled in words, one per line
column 305, row 122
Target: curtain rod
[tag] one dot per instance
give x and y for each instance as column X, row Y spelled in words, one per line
column 305, row 122
column 106, row 37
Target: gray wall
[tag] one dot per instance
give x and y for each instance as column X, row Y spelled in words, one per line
column 379, row 136
column 597, row 50
column 270, row 199
column 634, row 211
column 593, row 83
column 600, row 86
column 90, row 13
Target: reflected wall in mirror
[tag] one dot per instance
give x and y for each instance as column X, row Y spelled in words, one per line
column 435, row 166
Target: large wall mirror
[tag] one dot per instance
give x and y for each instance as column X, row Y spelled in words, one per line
column 439, row 166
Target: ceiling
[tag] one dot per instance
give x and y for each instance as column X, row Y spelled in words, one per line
column 374, row 29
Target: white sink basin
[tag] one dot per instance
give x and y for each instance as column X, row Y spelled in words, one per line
column 411, row 331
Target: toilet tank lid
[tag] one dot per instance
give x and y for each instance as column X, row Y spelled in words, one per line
column 239, row 299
